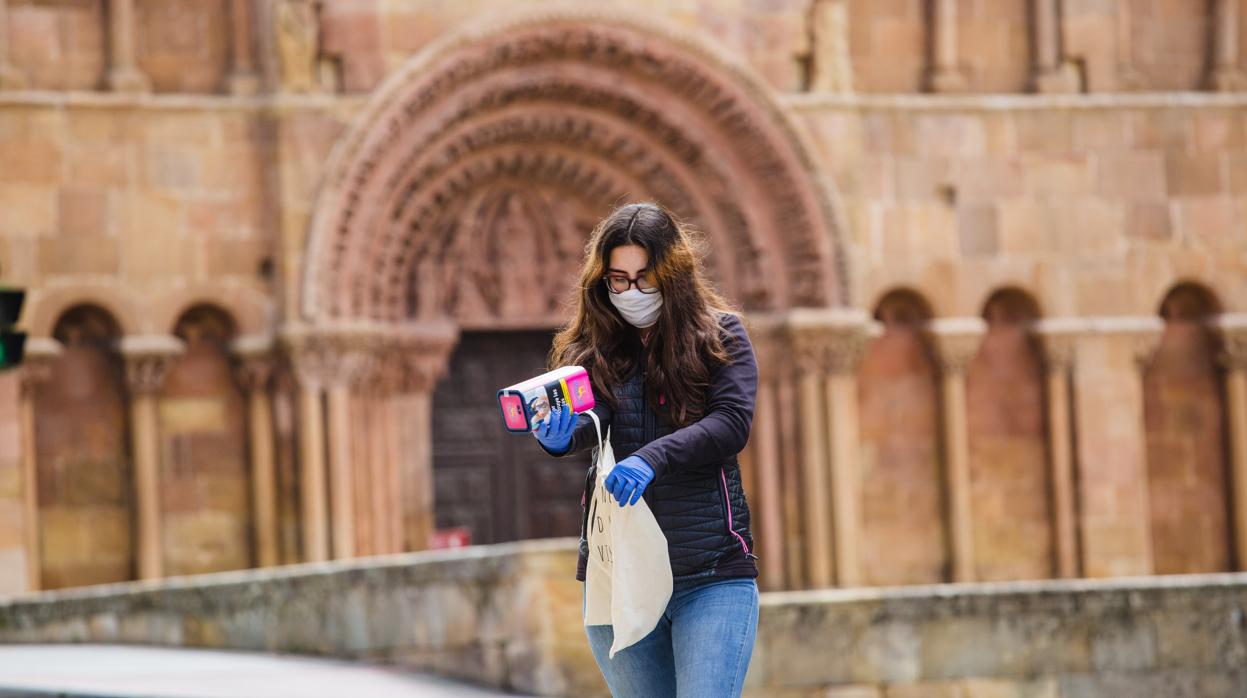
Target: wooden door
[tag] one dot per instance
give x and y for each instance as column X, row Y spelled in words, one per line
column 499, row 485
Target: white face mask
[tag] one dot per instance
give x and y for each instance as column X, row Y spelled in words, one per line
column 639, row 309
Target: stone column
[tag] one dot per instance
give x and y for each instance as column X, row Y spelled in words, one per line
column 767, row 515
column 41, row 355
column 10, row 77
column 255, row 371
column 388, row 455
column 1114, row 505
column 1052, row 75
column 123, row 70
column 341, row 485
column 808, row 342
column 1058, row 341
column 795, row 572
column 945, row 74
column 849, row 335
column 312, row 359
column 147, row 361
column 1233, row 330
column 956, row 342
column 421, row 355
column 243, row 77
column 361, row 482
column 1227, row 74
column 378, row 466
column 351, row 363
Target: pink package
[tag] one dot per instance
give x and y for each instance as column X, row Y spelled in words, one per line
column 526, row 403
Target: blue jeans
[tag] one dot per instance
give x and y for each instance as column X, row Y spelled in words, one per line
column 700, row 648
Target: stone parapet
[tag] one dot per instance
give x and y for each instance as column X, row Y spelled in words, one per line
column 508, row 616
column 1136, row 637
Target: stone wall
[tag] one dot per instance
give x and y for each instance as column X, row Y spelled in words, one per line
column 1093, row 205
column 508, row 616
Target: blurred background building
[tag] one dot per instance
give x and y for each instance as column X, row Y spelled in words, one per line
column 281, row 253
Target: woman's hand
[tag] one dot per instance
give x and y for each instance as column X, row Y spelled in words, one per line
column 555, row 431
column 627, row 482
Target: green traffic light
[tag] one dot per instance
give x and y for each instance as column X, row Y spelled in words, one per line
column 12, row 345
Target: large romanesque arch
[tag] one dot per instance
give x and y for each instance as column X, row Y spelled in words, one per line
column 526, row 132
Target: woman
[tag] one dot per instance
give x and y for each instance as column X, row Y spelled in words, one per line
column 673, row 373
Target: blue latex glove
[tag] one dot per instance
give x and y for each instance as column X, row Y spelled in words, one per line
column 627, row 482
column 555, row 431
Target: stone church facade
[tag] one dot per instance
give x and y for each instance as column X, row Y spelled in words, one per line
column 280, row 254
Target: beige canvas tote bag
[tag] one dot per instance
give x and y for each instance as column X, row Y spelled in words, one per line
column 628, row 580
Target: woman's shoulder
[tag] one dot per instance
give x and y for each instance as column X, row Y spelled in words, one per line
column 732, row 328
column 731, row 322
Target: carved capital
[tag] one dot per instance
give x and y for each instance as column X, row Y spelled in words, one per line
column 254, row 373
column 332, row 355
column 421, row 355
column 770, row 345
column 847, row 348
column 827, row 341
column 371, row 358
column 148, row 358
column 1143, row 335
column 1058, row 339
column 955, row 342
column 254, row 361
column 42, row 353
column 1232, row 329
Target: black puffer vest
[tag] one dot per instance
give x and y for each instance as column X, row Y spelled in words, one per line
column 702, row 510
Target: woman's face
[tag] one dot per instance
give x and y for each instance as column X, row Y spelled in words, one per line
column 629, row 261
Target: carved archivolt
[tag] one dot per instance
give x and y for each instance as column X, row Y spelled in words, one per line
column 536, row 127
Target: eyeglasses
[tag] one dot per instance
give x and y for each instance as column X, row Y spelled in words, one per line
column 619, row 283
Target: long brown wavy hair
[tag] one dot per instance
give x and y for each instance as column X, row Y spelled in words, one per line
column 685, row 345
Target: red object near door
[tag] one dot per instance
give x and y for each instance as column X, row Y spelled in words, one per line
column 443, row 538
